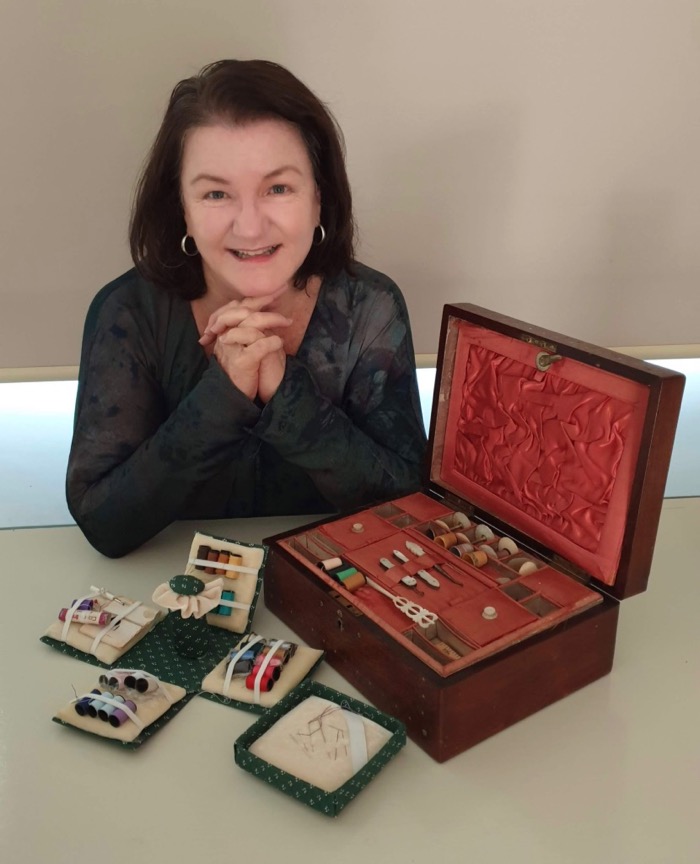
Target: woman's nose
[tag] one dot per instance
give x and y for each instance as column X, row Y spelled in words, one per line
column 248, row 219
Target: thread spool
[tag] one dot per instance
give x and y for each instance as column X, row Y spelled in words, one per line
column 85, row 605
column 284, row 652
column 436, row 528
column 507, row 546
column 331, row 564
column 118, row 717
column 477, row 558
column 237, row 560
column 81, row 704
column 355, row 582
column 225, row 610
column 202, row 555
column 95, row 704
column 483, row 532
column 461, row 519
column 345, row 573
column 523, row 565
column 266, row 682
column 242, row 667
column 86, row 616
column 107, row 710
column 447, row 541
column 141, row 683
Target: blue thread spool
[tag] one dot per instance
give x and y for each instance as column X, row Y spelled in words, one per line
column 225, row 610
column 95, row 704
column 85, row 605
column 107, row 710
column 118, row 717
column 242, row 667
column 81, row 705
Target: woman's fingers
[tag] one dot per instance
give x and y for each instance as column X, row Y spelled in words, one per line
column 234, row 318
column 240, row 353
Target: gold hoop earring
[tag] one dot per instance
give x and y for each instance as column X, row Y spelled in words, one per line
column 183, row 246
column 323, row 234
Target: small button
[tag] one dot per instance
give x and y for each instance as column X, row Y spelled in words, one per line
column 489, row 613
column 358, row 528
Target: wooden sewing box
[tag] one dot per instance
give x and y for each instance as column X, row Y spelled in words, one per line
column 546, row 466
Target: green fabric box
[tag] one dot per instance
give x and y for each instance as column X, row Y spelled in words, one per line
column 328, row 803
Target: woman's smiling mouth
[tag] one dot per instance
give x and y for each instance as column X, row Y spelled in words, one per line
column 247, row 254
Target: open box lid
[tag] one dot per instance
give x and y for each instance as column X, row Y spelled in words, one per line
column 554, row 441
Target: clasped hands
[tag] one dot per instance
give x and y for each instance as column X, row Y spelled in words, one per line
column 245, row 346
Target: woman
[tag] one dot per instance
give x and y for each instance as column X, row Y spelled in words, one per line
column 247, row 366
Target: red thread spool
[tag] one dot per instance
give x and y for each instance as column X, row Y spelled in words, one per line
column 267, row 682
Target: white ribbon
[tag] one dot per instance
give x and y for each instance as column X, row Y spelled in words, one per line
column 216, row 565
column 263, row 666
column 234, row 604
column 358, row 741
column 236, row 657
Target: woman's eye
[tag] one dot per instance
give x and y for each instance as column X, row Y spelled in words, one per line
column 278, row 189
column 216, row 195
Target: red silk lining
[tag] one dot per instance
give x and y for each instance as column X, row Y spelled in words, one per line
column 547, row 451
column 542, row 443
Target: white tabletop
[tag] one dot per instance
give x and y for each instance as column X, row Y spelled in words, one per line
column 609, row 774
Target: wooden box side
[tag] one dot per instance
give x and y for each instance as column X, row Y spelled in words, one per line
column 444, row 716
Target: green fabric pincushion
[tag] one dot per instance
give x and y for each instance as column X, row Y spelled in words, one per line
column 189, row 599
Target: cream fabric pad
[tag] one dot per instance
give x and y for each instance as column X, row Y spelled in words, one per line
column 149, row 707
column 81, row 636
column 313, row 750
column 293, row 673
column 243, row 586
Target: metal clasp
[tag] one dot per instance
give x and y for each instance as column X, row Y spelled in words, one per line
column 543, row 360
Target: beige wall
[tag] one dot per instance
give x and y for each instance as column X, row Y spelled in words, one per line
column 534, row 156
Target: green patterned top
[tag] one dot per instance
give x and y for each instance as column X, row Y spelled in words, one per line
column 162, row 434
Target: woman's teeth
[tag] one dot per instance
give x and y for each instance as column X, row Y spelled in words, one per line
column 258, row 253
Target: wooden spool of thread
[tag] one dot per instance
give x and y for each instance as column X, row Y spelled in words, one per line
column 447, row 541
column 355, row 582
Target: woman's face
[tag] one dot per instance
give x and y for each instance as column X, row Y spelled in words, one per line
column 251, row 204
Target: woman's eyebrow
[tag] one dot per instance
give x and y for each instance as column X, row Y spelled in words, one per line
column 282, row 170
column 210, row 178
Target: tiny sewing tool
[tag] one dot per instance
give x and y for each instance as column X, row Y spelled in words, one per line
column 408, row 581
column 418, row 551
column 443, row 572
column 412, row 610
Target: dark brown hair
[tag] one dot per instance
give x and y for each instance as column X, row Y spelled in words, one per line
column 237, row 91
